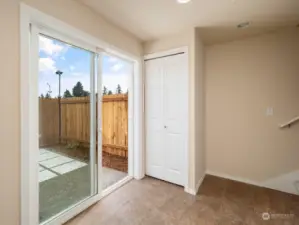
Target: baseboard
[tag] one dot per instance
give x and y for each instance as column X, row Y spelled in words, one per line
column 139, row 177
column 247, row 181
column 199, row 183
column 229, row 177
column 190, row 191
column 239, row 179
column 115, row 186
column 222, row 175
column 194, row 191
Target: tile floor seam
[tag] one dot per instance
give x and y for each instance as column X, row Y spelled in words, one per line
column 49, row 169
column 67, row 163
column 48, row 159
column 65, row 155
column 62, row 163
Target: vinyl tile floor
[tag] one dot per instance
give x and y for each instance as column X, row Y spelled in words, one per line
column 218, row 202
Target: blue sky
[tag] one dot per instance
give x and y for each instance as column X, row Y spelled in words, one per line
column 75, row 64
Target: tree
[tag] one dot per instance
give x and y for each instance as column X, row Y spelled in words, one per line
column 86, row 93
column 48, row 95
column 67, row 94
column 42, row 96
column 110, row 92
column 78, row 90
column 105, row 91
column 118, row 89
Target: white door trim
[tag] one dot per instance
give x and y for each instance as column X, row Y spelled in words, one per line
column 165, row 54
column 29, row 132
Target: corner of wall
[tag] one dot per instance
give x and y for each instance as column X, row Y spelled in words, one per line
column 243, row 78
column 199, row 110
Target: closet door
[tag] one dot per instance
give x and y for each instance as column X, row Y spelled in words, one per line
column 155, row 158
column 175, row 117
column 166, row 118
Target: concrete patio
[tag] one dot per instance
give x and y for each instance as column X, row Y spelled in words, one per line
column 65, row 181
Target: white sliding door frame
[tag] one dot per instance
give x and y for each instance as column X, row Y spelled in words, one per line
column 186, row 159
column 95, row 194
column 33, row 21
column 94, row 188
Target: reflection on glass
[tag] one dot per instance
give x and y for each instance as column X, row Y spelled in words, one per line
column 64, row 126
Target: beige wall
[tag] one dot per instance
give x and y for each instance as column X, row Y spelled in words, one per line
column 88, row 21
column 9, row 120
column 171, row 42
column 70, row 12
column 200, row 164
column 243, row 78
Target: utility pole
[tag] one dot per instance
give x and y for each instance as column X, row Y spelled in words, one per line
column 59, row 73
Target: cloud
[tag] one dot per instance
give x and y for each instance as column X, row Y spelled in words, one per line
column 72, row 68
column 47, row 65
column 116, row 67
column 79, row 74
column 49, row 47
column 112, row 59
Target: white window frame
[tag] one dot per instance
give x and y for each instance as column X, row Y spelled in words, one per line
column 29, row 112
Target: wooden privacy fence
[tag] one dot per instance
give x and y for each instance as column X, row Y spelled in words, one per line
column 75, row 122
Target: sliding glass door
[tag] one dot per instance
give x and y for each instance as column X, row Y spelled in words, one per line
column 80, row 125
column 116, row 82
column 68, row 168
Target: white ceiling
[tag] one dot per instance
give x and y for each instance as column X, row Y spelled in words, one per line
column 153, row 19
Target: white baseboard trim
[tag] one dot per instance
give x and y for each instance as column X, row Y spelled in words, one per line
column 247, row 181
column 192, row 191
column 234, row 178
column 115, row 186
column 139, row 177
column 239, row 179
column 199, row 183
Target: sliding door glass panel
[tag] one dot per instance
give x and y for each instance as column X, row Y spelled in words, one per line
column 67, row 135
column 115, row 83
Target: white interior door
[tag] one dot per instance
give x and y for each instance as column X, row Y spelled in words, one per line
column 167, row 118
column 154, row 119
